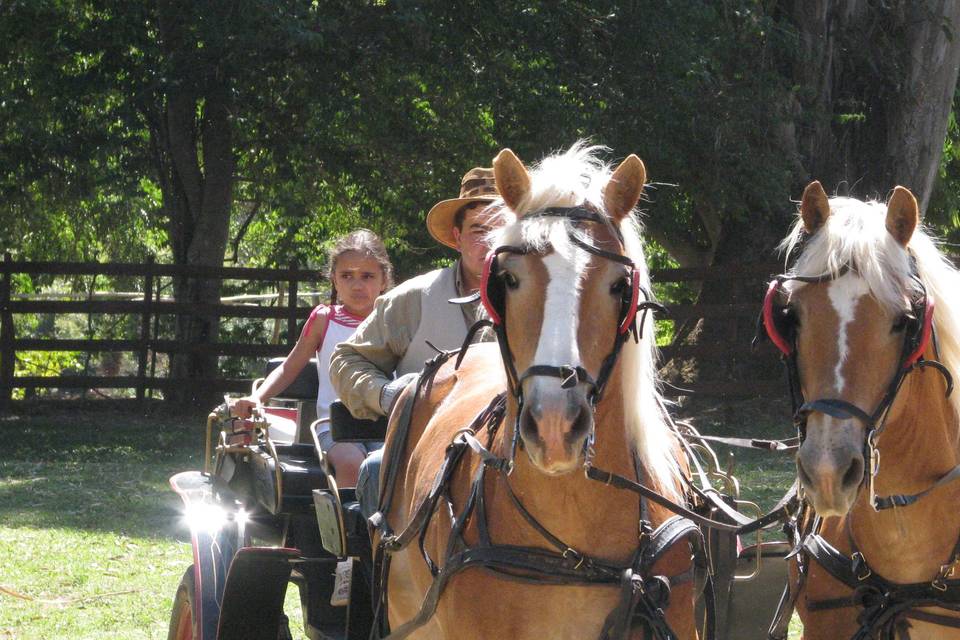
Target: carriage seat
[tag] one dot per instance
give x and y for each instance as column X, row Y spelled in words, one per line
column 293, row 410
column 345, row 428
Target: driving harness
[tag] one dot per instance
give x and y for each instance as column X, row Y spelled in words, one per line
column 886, row 606
column 644, row 596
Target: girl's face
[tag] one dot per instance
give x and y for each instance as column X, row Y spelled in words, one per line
column 359, row 280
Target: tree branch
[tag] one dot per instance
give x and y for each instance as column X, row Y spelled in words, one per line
column 235, row 243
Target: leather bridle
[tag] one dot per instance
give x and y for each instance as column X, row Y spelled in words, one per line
column 493, row 297
column 918, row 336
column 885, row 604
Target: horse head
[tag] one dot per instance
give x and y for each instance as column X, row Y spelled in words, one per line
column 853, row 316
column 563, row 292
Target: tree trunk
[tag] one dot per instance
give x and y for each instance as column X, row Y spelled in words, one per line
column 193, row 141
column 875, row 87
column 917, row 124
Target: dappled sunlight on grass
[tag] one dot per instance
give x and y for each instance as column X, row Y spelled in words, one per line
column 92, row 542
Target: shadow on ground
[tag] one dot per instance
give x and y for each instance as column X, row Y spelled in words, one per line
column 96, row 469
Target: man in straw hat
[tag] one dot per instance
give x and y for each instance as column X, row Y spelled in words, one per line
column 393, row 338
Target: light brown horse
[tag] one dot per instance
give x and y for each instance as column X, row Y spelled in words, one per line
column 562, row 308
column 879, row 428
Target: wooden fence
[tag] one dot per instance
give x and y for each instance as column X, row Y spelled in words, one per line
column 148, row 309
column 737, row 319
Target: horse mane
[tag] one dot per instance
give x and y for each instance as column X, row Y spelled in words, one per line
column 855, row 233
column 577, row 177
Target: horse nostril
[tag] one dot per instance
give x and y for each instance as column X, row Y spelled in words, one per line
column 528, row 420
column 854, row 474
column 582, row 423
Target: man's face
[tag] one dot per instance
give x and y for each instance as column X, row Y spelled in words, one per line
column 471, row 239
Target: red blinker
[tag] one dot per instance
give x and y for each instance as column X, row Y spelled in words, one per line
column 485, row 289
column 634, row 299
column 775, row 337
column 925, row 333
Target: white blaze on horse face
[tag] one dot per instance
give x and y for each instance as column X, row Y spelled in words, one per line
column 845, row 293
column 558, row 333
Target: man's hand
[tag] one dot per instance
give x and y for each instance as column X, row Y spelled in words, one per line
column 243, row 407
column 390, row 391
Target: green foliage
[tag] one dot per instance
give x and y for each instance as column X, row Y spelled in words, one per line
column 943, row 212
column 347, row 114
column 352, row 114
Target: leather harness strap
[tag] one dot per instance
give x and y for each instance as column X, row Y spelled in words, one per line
column 885, row 605
column 642, row 596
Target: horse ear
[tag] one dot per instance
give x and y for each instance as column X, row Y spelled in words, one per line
column 902, row 215
column 814, row 207
column 623, row 190
column 513, row 181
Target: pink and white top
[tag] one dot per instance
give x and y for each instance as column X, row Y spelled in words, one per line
column 340, row 325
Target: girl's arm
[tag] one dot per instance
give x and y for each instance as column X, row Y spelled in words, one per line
column 281, row 377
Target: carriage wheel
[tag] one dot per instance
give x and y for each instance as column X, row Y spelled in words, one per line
column 184, row 607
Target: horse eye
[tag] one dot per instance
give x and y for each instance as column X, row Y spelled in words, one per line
column 788, row 315
column 509, row 280
column 618, row 287
column 901, row 324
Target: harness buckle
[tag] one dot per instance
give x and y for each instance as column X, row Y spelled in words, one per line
column 940, row 582
column 570, row 554
column 570, row 376
column 860, row 567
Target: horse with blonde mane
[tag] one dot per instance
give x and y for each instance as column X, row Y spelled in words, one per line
column 868, row 319
column 489, row 527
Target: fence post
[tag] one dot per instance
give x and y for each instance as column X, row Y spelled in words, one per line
column 292, row 307
column 145, row 332
column 7, row 353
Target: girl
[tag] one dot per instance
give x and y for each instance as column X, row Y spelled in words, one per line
column 359, row 271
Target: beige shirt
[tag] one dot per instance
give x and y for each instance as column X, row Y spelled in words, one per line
column 361, row 366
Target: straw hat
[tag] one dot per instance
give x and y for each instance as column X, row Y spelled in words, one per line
column 477, row 186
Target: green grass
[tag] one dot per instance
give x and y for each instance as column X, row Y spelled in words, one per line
column 91, row 541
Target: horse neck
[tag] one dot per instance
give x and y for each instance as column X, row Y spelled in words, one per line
column 918, row 445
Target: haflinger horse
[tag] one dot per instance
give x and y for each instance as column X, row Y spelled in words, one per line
column 489, row 525
column 868, row 318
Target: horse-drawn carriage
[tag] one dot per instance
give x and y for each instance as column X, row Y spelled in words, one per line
column 254, row 530
column 537, row 487
column 265, row 514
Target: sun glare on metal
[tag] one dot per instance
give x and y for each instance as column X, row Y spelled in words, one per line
column 205, row 517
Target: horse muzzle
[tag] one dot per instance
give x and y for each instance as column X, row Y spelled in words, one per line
column 554, row 424
column 830, row 475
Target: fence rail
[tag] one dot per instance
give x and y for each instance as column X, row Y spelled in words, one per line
column 147, row 309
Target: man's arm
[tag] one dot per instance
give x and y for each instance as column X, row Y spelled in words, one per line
column 364, row 364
